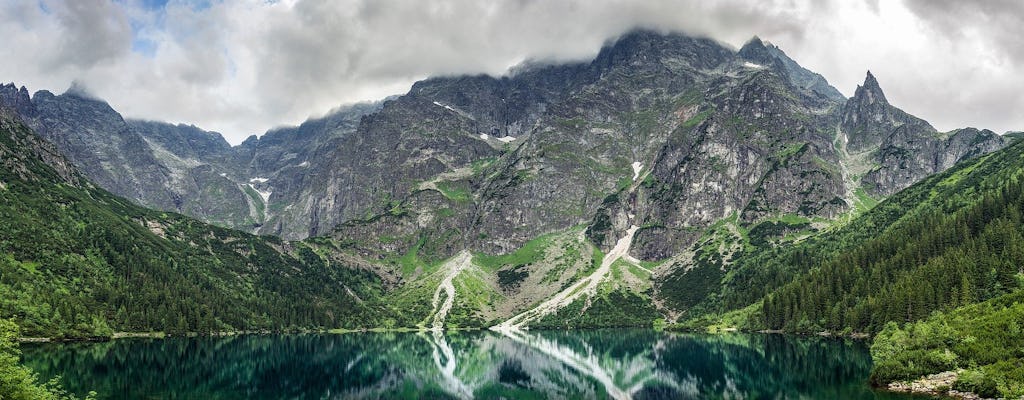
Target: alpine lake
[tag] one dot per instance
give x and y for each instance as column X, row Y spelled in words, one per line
column 587, row 364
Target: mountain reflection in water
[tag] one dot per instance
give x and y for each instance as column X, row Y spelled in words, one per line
column 618, row 364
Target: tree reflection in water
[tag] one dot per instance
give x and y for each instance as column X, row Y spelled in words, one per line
column 618, row 364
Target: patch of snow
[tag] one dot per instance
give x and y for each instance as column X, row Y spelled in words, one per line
column 304, row 164
column 485, row 136
column 447, row 107
column 264, row 194
column 637, row 166
column 259, row 180
column 749, row 64
column 223, row 175
column 507, row 139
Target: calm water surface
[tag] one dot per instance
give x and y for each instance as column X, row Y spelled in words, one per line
column 639, row 364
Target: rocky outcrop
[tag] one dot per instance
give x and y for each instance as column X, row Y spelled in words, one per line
column 939, row 384
column 763, row 53
column 903, row 149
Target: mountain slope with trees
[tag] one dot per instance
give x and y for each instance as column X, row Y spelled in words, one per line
column 934, row 273
column 76, row 261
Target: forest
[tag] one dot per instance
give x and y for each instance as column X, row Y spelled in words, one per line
column 933, row 274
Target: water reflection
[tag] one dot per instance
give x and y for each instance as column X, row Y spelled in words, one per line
column 619, row 364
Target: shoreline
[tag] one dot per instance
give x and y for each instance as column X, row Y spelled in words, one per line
column 727, row 330
column 164, row 335
column 940, row 384
column 343, row 331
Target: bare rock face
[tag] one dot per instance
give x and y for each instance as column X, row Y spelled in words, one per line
column 903, row 149
column 97, row 140
column 666, row 132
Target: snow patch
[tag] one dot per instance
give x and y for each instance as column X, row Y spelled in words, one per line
column 258, row 180
column 485, row 136
column 637, row 166
column 223, row 174
column 749, row 64
column 304, row 164
column 447, row 107
column 507, row 139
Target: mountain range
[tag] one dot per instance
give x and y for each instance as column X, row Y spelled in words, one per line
column 670, row 178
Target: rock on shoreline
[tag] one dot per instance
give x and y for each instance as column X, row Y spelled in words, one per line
column 939, row 384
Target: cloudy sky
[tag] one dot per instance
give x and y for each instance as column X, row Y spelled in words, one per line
column 242, row 67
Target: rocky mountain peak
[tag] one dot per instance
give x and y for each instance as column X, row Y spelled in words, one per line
column 646, row 47
column 17, row 99
column 868, row 118
column 754, row 48
column 870, row 92
column 766, row 54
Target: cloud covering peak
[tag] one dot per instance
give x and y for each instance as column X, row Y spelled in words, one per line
column 242, row 67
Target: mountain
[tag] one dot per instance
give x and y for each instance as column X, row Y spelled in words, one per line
column 680, row 108
column 660, row 164
column 77, row 261
column 903, row 148
column 178, row 168
column 934, row 271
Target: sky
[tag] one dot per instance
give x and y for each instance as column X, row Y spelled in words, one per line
column 245, row 66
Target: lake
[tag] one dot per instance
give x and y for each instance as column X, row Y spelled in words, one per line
column 619, row 363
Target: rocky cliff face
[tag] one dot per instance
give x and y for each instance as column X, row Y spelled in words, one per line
column 896, row 149
column 663, row 131
column 178, row 167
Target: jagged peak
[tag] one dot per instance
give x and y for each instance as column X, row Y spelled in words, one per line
column 16, row 98
column 754, row 41
column 870, row 91
column 12, row 87
column 754, row 49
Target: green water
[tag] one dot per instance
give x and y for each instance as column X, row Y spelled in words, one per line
column 640, row 364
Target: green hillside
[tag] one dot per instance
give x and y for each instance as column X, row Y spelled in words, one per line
column 934, row 272
column 983, row 339
column 76, row 261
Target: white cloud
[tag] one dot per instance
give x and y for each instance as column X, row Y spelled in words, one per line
column 241, row 67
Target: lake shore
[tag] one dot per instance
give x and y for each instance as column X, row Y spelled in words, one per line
column 939, row 384
column 163, row 335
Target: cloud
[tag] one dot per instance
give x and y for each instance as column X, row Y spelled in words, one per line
column 242, row 67
column 90, row 31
